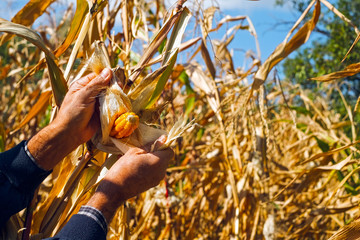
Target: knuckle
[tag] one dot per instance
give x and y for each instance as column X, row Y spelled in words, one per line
column 170, row 152
column 88, row 78
column 133, row 151
column 99, row 79
column 160, row 176
column 154, row 160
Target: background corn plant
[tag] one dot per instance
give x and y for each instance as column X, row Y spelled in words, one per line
column 264, row 160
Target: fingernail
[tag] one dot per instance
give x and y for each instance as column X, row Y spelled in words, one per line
column 162, row 139
column 105, row 73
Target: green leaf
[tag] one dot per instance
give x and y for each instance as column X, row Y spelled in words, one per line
column 301, row 126
column 161, row 48
column 184, row 78
column 300, row 110
column 322, row 145
column 163, row 79
column 189, row 105
column 190, row 100
column 200, row 134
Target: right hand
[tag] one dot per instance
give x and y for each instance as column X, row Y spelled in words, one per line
column 134, row 173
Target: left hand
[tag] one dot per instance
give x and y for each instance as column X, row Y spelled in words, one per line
column 75, row 123
column 76, row 115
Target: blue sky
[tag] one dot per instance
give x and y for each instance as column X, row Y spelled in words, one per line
column 265, row 16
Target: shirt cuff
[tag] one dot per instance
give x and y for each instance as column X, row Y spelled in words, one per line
column 95, row 214
column 32, row 157
column 22, row 172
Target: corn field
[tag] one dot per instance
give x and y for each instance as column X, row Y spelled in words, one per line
column 250, row 162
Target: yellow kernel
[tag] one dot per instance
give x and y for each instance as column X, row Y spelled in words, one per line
column 125, row 125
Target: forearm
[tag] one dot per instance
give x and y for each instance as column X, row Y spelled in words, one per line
column 104, row 204
column 51, row 145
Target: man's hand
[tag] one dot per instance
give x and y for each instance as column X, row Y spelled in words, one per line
column 75, row 123
column 132, row 174
column 76, row 115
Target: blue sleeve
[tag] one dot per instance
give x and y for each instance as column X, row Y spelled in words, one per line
column 19, row 177
column 80, row 227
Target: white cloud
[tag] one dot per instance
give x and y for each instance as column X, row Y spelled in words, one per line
column 245, row 4
column 237, row 5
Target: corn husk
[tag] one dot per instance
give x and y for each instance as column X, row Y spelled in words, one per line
column 114, row 102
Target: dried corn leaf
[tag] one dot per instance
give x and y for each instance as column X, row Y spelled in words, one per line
column 350, row 70
column 43, row 208
column 153, row 46
column 226, row 19
column 337, row 166
column 28, row 14
column 80, row 39
column 39, row 107
column 285, row 48
column 182, row 47
column 348, row 232
column 204, row 83
column 138, row 31
column 206, row 56
column 58, row 83
column 172, row 49
column 352, row 47
column 82, row 9
column 340, row 15
column 179, row 128
column 177, row 34
column 209, row 16
column 342, row 183
column 328, row 153
column 53, row 209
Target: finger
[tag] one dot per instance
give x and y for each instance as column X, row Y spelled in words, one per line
column 151, row 147
column 95, row 122
column 82, row 82
column 159, row 143
column 165, row 155
column 96, row 85
column 135, row 151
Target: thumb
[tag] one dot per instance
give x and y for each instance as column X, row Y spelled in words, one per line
column 159, row 144
column 154, row 146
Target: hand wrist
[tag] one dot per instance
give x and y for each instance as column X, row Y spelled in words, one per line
column 50, row 145
column 67, row 132
column 104, row 204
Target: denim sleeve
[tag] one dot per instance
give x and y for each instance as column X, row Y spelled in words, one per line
column 19, row 177
column 81, row 227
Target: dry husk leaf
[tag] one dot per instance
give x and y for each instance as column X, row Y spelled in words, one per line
column 114, row 102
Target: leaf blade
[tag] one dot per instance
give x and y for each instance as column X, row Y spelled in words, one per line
column 58, row 84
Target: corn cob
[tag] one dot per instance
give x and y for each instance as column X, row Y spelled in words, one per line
column 125, row 125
